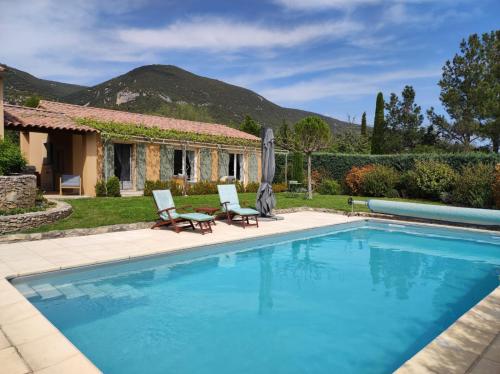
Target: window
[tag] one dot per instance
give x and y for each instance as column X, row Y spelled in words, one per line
column 184, row 163
column 178, row 162
column 235, row 165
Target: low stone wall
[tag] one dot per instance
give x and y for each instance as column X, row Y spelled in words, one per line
column 25, row 221
column 17, row 191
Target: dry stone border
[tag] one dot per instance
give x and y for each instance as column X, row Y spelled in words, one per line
column 18, row 222
column 17, row 191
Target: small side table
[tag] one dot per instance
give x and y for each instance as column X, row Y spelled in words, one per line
column 207, row 210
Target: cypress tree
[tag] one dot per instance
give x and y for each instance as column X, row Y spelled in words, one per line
column 298, row 167
column 378, row 126
column 363, row 124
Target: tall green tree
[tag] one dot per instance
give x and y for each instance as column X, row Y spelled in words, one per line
column 363, row 124
column 378, row 134
column 470, row 92
column 489, row 112
column 403, row 121
column 311, row 134
column 32, row 101
column 350, row 141
column 298, row 166
column 250, row 126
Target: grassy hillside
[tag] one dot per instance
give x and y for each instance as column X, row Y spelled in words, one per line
column 19, row 85
column 166, row 90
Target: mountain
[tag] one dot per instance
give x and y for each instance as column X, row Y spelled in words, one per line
column 170, row 91
column 19, row 85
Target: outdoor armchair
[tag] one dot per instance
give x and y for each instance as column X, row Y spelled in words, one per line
column 169, row 215
column 231, row 206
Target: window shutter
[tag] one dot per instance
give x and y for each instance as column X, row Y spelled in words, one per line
column 166, row 162
column 140, row 166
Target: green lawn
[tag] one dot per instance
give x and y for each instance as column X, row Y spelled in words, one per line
column 102, row 211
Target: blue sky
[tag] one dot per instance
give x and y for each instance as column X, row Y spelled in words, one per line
column 327, row 56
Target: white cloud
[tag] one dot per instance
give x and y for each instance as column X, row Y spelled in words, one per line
column 344, row 85
column 277, row 70
column 219, row 34
column 323, row 4
column 56, row 37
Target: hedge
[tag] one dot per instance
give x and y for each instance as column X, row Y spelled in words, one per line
column 336, row 166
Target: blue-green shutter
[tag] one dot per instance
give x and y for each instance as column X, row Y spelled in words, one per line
column 166, row 162
column 205, row 164
column 109, row 160
column 140, row 165
column 253, row 168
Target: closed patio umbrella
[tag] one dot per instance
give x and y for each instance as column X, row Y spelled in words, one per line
column 265, row 196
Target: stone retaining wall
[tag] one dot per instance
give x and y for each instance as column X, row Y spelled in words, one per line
column 17, row 191
column 24, row 221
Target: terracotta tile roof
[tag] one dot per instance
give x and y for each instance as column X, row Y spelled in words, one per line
column 33, row 119
column 78, row 111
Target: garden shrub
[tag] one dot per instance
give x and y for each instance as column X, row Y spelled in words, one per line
column 11, row 158
column 100, row 189
column 113, row 187
column 379, row 181
column 392, row 193
column 203, row 188
column 329, row 187
column 150, row 186
column 496, row 186
column 432, row 177
column 473, row 187
column 354, row 178
column 408, row 185
column 279, row 187
column 252, row 187
column 336, row 166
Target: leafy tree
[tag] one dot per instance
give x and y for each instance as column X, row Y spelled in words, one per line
column 403, row 121
column 350, row 141
column 470, row 92
column 250, row 126
column 378, row 126
column 32, row 101
column 489, row 87
column 311, row 134
column 363, row 124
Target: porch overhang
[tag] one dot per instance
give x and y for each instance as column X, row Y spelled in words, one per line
column 38, row 120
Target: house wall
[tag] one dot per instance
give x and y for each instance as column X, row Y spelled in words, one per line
column 71, row 154
column 90, row 170
column 151, row 161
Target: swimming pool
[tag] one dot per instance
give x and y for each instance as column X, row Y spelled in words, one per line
column 360, row 297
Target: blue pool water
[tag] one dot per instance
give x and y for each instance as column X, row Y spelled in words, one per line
column 354, row 298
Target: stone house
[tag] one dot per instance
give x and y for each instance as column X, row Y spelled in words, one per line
column 97, row 143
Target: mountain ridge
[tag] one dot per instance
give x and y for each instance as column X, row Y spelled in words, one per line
column 164, row 90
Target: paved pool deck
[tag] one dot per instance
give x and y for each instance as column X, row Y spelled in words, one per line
column 29, row 343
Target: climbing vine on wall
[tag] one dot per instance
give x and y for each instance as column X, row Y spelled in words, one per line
column 125, row 131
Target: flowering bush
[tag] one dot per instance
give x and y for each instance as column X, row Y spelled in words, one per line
column 354, row 178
